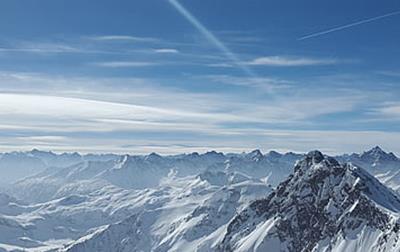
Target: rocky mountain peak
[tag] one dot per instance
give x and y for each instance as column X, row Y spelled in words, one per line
column 213, row 153
column 321, row 200
column 315, row 156
column 315, row 161
column 153, row 157
column 377, row 154
column 255, row 155
column 377, row 148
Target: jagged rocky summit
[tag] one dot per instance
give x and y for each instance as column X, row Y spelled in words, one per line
column 322, row 206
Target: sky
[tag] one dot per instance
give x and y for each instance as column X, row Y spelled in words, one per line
column 174, row 76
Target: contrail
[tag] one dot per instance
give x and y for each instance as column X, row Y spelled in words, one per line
column 210, row 36
column 348, row 25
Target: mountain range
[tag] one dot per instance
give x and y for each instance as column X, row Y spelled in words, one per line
column 200, row 202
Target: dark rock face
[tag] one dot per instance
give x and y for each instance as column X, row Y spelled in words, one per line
column 321, row 200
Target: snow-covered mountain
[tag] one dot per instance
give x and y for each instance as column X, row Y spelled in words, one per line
column 17, row 165
column 139, row 172
column 179, row 209
column 272, row 166
column 189, row 223
column 202, row 202
column 322, row 206
column 383, row 165
column 375, row 160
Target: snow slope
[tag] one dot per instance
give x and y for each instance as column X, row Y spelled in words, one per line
column 195, row 205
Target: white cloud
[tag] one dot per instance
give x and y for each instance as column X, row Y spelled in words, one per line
column 64, row 114
column 222, row 64
column 288, row 61
column 166, row 50
column 124, row 38
column 117, row 64
column 390, row 73
column 329, row 141
column 264, row 83
column 43, row 48
column 391, row 110
column 386, row 111
column 141, row 91
column 43, row 113
column 285, row 107
column 65, row 107
column 149, row 113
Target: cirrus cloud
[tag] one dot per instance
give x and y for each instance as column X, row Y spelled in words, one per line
column 289, row 61
column 166, row 50
column 116, row 64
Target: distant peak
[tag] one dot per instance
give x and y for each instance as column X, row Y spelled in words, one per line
column 153, row 157
column 377, row 149
column 274, row 154
column 376, row 154
column 213, row 153
column 255, row 154
column 35, row 150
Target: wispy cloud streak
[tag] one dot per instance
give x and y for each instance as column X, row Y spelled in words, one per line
column 116, row 64
column 289, row 61
column 210, row 36
column 124, row 38
column 166, row 50
column 317, row 34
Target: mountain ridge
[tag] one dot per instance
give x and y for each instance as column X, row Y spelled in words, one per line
column 319, row 203
column 192, row 202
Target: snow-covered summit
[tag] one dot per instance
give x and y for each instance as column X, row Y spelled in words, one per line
column 322, row 206
column 376, row 155
column 375, row 160
column 255, row 155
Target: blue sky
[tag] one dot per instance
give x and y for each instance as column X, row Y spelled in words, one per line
column 182, row 76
